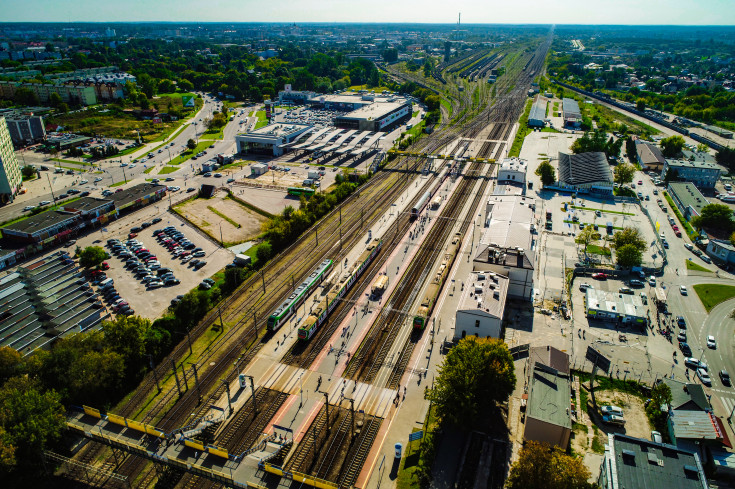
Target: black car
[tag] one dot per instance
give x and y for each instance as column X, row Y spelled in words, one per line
column 136, row 229
column 725, row 377
column 156, row 220
column 200, row 265
column 146, row 225
column 84, row 194
column 685, row 349
column 681, row 322
column 62, row 196
column 194, row 263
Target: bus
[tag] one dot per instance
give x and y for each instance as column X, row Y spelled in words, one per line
column 299, row 191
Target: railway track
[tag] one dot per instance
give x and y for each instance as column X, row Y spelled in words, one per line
column 244, row 429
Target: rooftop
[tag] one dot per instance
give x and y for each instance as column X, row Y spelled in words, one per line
column 40, row 221
column 486, row 292
column 637, row 463
column 695, row 425
column 509, row 220
column 134, row 193
column 649, row 154
column 549, row 356
column 85, row 204
column 570, row 107
column 614, row 302
column 373, row 111
column 538, row 111
column 578, row 169
column 280, row 130
column 688, row 194
column 687, row 396
column 698, row 164
column 506, row 257
column 549, row 396
column 513, row 164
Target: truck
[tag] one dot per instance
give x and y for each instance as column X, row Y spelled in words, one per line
column 314, row 175
column 308, row 182
column 241, row 260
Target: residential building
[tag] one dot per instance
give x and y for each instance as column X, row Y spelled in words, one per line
column 637, row 463
column 721, row 251
column 585, row 173
column 25, row 128
column 482, row 306
column 649, row 156
column 537, row 116
column 687, row 198
column 70, row 94
column 548, row 409
column 702, row 174
column 615, row 307
column 571, row 113
column 11, row 179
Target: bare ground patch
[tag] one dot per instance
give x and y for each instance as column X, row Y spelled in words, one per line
column 237, row 222
column 636, row 421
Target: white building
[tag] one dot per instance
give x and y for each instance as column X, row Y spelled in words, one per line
column 11, row 178
column 512, row 170
column 615, row 307
column 481, row 307
column 269, row 140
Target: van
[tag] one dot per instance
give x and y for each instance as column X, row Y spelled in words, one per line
column 626, row 290
column 308, row 182
column 106, row 283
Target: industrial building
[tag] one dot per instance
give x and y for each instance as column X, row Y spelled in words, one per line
column 548, row 410
column 633, row 462
column 271, row 139
column 615, row 307
column 25, row 128
column 537, row 117
column 585, row 173
column 11, row 178
column 572, row 114
column 482, row 306
column 687, row 198
column 702, row 174
column 44, row 301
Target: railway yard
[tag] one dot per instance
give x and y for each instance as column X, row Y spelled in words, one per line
column 308, row 378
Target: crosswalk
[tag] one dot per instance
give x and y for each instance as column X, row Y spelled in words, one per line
column 729, row 404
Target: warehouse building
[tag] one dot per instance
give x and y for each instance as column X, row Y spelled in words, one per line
column 270, row 140
column 634, row 462
column 687, row 198
column 572, row 114
column 548, row 411
column 615, row 307
column 482, row 306
column 537, row 117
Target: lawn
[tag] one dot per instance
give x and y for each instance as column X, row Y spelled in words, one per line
column 411, row 463
column 523, row 131
column 215, row 133
column 713, row 294
column 168, row 169
column 117, row 184
column 149, row 169
column 186, row 155
column 695, row 266
column 685, row 224
column 598, row 250
column 262, row 121
column 605, row 211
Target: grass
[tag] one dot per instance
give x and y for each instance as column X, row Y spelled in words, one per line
column 685, row 224
column 149, row 169
column 606, row 211
column 186, row 155
column 598, row 250
column 215, row 133
column 694, row 266
column 215, row 211
column 117, row 184
column 598, row 443
column 262, row 121
column 713, row 294
column 447, row 105
column 168, row 169
column 567, row 221
column 416, row 455
column 583, row 398
column 523, row 131
column 73, row 162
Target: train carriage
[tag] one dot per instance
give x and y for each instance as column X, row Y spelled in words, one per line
column 284, row 311
column 434, row 288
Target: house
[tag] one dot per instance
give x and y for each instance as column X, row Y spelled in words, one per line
column 548, row 411
column 585, row 173
column 687, row 396
column 721, row 251
column 637, row 463
column 649, row 156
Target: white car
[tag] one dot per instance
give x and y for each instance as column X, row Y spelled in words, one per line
column 711, row 343
column 612, row 410
column 29, row 208
column 656, row 437
column 98, row 179
column 683, row 290
column 584, row 286
column 132, row 165
column 652, row 281
column 83, row 182
column 704, row 376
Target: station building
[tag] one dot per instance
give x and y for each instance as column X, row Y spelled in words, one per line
column 482, row 306
column 270, row 140
column 615, row 307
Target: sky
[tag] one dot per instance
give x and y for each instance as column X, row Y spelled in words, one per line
column 647, row 12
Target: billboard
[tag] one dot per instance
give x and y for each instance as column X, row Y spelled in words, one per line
column 287, row 87
column 187, row 100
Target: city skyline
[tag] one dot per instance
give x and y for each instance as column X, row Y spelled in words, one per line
column 594, row 12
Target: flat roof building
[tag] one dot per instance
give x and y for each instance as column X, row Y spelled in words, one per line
column 537, row 116
column 688, row 199
column 636, row 463
column 571, row 113
column 614, row 306
column 482, row 306
column 269, row 140
column 11, row 179
column 512, row 170
column 585, row 172
column 25, row 128
column 701, row 173
column 548, row 411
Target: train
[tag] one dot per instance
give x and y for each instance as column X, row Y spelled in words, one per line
column 337, row 291
column 436, row 202
column 416, row 210
column 284, row 311
column 379, row 286
column 435, row 287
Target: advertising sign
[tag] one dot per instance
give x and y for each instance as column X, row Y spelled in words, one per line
column 187, row 100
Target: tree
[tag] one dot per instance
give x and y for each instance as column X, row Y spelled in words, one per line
column 541, row 466
column 191, row 144
column 624, row 173
column 54, row 99
column 127, row 335
column 629, row 236
column 233, row 278
column 660, row 396
column 546, row 172
column 630, row 149
column 641, row 105
column 264, row 252
column 716, row 217
column 476, row 374
column 628, row 256
column 192, row 308
column 702, row 148
column 9, row 363
column 390, row 55
column 166, row 86
column 672, row 146
column 28, row 171
column 31, row 418
column 726, row 157
column 63, row 108
column 91, row 256
column 586, row 236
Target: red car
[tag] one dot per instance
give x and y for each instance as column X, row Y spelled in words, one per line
column 132, row 235
column 105, row 265
column 599, row 276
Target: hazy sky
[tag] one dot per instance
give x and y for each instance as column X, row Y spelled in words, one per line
column 686, row 12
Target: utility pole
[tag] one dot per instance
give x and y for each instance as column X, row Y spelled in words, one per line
column 229, row 400
column 326, row 405
column 50, row 187
column 221, row 324
column 155, row 374
column 183, row 374
column 176, row 376
column 263, row 278
column 188, row 339
column 252, row 388
column 196, row 380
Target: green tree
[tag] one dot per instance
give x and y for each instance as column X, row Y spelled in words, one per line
column 54, row 99
column 390, row 55
column 63, row 108
column 28, row 171
column 628, row 256
column 630, row 149
column 31, row 418
column 476, row 374
column 127, row 336
column 716, row 217
column 233, row 278
column 148, row 85
column 540, row 466
column 166, row 86
column 726, row 158
column 10, row 361
column 672, row 146
column 546, row 172
column 702, row 148
column 660, row 396
column 191, row 144
column 264, row 252
column 641, row 105
column 586, row 236
column 624, row 173
column 91, row 256
column 192, row 307
column 629, row 236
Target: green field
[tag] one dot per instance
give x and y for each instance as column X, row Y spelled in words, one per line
column 262, row 121
column 713, row 294
column 186, row 155
column 523, row 131
column 168, row 169
column 695, row 266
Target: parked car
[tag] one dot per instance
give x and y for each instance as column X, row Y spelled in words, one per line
column 636, row 283
column 656, row 437
column 599, row 276
column 614, row 419
column 685, row 349
column 612, row 410
column 695, row 363
column 725, row 377
column 706, row 259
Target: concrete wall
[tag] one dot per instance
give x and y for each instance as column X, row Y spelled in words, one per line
column 466, row 321
column 541, row 431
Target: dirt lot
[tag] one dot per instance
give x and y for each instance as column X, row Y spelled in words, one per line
column 240, row 224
